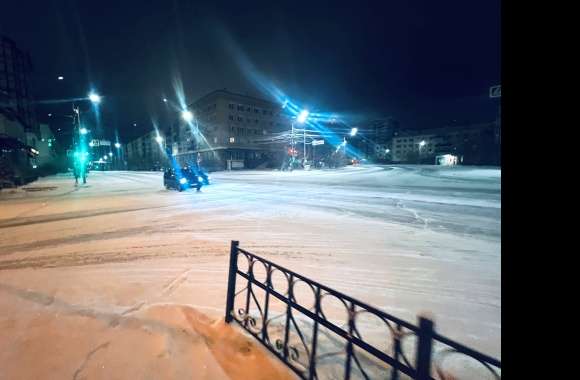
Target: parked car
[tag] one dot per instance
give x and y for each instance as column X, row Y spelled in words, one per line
column 183, row 179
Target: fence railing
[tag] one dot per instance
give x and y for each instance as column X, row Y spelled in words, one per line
column 316, row 346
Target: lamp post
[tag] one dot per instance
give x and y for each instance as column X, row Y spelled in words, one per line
column 301, row 119
column 421, row 145
column 80, row 133
column 118, row 147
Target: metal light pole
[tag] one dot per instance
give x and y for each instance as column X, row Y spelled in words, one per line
column 304, row 153
column 301, row 118
column 421, row 144
column 292, row 141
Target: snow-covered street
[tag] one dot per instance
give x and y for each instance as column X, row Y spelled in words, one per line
column 405, row 239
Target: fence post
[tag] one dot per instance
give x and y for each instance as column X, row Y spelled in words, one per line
column 424, row 347
column 232, row 280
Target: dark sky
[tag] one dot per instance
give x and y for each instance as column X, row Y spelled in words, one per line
column 425, row 63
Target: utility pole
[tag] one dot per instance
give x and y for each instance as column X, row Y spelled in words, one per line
column 304, row 153
column 495, row 92
column 292, row 141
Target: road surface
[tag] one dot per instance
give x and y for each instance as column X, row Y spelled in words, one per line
column 406, row 239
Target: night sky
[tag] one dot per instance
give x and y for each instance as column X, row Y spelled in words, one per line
column 426, row 63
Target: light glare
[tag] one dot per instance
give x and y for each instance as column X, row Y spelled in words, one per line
column 303, row 116
column 187, row 115
column 96, row 99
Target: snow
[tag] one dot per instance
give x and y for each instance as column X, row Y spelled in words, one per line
column 406, row 239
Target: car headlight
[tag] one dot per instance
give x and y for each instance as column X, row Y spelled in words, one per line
column 183, row 181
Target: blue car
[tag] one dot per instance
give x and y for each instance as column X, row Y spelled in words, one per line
column 182, row 180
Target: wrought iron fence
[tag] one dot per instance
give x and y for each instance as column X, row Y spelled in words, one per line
column 316, row 346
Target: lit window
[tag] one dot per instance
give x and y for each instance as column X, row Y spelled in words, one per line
column 232, row 140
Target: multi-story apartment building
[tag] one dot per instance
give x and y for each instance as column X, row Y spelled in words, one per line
column 147, row 152
column 18, row 125
column 228, row 130
column 471, row 144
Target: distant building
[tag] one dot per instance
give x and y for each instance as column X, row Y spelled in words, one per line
column 373, row 139
column 105, row 156
column 45, row 146
column 471, row 144
column 15, row 67
column 146, row 153
column 229, row 130
column 18, row 125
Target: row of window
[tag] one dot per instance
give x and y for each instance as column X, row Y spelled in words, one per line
column 245, row 132
column 405, row 150
column 246, row 108
column 255, row 121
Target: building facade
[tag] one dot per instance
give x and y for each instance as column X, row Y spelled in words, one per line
column 46, row 146
column 15, row 68
column 472, row 145
column 147, row 153
column 18, row 125
column 373, row 139
column 229, row 130
column 106, row 156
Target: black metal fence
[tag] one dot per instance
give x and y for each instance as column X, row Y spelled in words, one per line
column 315, row 346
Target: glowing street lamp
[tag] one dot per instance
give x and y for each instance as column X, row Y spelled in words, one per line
column 60, row 77
column 353, row 131
column 110, row 154
column 302, row 116
column 187, row 115
column 421, row 145
column 387, row 151
column 159, row 139
column 94, row 98
column 117, row 145
column 164, row 100
column 83, row 131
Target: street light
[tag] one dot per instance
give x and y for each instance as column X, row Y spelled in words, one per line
column 187, row 115
column 117, row 145
column 83, row 131
column 302, row 116
column 353, row 131
column 159, row 139
column 164, row 100
column 94, row 98
column 110, row 154
column 60, row 77
column 387, row 151
column 421, row 145
column 301, row 119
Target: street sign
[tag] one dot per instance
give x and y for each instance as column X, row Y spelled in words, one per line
column 495, row 91
column 96, row 142
column 317, row 142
